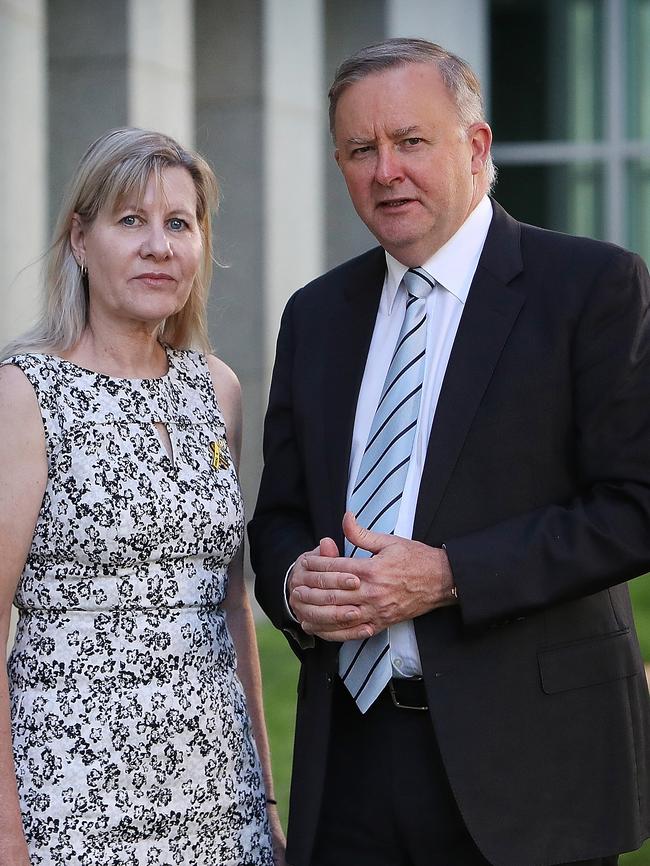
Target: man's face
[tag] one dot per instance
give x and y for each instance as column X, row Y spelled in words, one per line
column 413, row 173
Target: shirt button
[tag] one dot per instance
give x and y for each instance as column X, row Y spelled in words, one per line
column 398, row 664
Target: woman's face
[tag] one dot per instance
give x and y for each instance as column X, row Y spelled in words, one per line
column 143, row 257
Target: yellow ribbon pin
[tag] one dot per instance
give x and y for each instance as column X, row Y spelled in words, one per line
column 219, row 454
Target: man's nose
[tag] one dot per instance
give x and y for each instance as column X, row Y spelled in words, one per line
column 389, row 167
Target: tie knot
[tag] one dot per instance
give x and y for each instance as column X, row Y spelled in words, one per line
column 418, row 282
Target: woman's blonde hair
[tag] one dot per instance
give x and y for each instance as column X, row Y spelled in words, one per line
column 116, row 166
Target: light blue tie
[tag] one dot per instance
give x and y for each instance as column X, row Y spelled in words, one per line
column 364, row 665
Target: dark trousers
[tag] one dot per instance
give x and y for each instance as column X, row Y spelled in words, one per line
column 387, row 801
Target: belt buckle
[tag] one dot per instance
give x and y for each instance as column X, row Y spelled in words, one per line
column 395, row 699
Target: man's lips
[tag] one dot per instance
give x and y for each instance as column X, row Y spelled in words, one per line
column 394, row 203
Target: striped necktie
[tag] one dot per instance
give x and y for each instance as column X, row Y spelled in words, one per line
column 364, row 665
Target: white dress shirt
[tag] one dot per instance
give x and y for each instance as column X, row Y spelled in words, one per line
column 453, row 268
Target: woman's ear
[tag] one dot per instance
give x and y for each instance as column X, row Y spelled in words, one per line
column 78, row 239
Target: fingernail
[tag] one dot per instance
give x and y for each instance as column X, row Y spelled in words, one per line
column 351, row 583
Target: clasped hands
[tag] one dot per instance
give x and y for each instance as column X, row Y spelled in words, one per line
column 340, row 598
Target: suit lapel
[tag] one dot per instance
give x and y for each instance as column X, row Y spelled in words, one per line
column 490, row 312
column 350, row 334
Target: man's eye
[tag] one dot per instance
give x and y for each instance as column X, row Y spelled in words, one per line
column 413, row 141
column 176, row 224
column 361, row 151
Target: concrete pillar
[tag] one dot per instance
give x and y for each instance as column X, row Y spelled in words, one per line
column 161, row 67
column 127, row 62
column 295, row 123
column 229, row 133
column 458, row 25
column 22, row 167
column 88, row 76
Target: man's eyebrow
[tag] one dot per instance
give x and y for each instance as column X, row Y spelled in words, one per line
column 404, row 131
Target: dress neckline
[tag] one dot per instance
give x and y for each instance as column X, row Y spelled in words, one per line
column 131, row 379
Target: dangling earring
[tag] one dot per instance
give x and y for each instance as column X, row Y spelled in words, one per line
column 84, row 270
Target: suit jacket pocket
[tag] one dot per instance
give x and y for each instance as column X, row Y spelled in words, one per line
column 588, row 662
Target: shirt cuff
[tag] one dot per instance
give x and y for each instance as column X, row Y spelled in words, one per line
column 286, row 593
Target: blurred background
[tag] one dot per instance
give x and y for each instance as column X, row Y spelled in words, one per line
column 567, row 85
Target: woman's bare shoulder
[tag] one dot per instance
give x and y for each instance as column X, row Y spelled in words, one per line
column 226, row 384
column 17, row 396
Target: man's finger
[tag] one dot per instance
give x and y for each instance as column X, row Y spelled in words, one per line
column 355, row 633
column 328, row 547
column 326, row 617
column 326, row 567
column 331, row 596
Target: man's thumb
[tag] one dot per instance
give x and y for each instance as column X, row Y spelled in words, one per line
column 357, row 535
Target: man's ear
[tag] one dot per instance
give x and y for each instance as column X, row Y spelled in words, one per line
column 78, row 238
column 480, row 136
column 337, row 157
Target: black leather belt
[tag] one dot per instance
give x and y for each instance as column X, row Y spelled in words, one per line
column 408, row 694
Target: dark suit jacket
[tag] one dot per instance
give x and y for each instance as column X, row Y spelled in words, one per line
column 538, row 481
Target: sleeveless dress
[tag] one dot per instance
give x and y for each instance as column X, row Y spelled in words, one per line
column 131, row 737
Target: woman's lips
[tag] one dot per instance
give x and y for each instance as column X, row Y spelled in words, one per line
column 154, row 278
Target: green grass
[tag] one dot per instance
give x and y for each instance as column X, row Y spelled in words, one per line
column 280, row 674
column 280, row 677
column 640, row 589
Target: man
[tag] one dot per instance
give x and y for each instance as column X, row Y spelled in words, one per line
column 471, row 689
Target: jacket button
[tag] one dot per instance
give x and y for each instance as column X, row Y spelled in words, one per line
column 330, row 680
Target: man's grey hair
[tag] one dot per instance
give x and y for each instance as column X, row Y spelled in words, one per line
column 457, row 76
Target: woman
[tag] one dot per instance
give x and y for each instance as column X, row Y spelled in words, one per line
column 120, row 542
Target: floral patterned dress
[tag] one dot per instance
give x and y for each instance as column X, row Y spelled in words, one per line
column 132, row 741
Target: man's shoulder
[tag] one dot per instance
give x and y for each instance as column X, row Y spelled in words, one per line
column 544, row 242
column 363, row 272
column 542, row 257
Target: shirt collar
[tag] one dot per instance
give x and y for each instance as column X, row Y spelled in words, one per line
column 453, row 265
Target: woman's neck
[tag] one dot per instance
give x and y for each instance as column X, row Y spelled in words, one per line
column 123, row 355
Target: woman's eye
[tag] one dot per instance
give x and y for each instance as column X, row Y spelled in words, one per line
column 176, row 224
column 129, row 220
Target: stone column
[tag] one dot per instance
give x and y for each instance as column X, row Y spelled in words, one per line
column 459, row 25
column 117, row 63
column 22, row 167
column 229, row 124
column 295, row 120
column 161, row 67
column 88, row 78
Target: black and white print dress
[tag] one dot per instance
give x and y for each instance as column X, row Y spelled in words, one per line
column 132, row 741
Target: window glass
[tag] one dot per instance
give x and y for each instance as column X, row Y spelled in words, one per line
column 546, row 69
column 567, row 197
column 638, row 212
column 638, row 69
